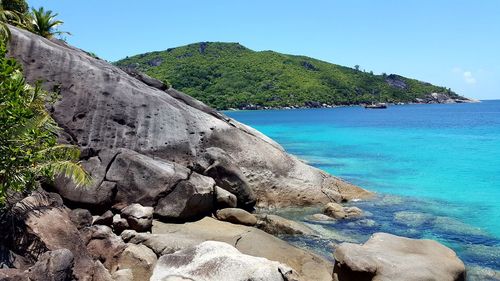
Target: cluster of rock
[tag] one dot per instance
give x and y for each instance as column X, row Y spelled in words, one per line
column 162, row 164
column 443, row 98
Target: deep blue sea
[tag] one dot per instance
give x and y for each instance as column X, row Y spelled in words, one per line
column 435, row 169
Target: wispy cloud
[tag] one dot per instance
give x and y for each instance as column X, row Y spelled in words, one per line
column 469, row 78
column 467, row 75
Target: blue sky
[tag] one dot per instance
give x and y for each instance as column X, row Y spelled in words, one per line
column 454, row 43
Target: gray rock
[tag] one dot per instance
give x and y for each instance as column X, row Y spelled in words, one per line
column 191, row 198
column 217, row 164
column 225, row 199
column 387, row 257
column 218, row 261
column 277, row 225
column 237, row 216
column 104, row 108
column 81, row 218
column 103, row 245
column 123, row 275
column 161, row 244
column 140, row 259
column 308, row 266
column 119, row 224
column 104, row 219
column 142, row 179
column 53, row 266
column 139, row 218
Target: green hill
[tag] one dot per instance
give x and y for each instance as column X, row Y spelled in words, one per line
column 229, row 75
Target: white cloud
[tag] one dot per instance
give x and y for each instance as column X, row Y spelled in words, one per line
column 469, row 78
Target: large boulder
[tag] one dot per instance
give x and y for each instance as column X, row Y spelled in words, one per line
column 81, row 218
column 218, row 261
column 54, row 265
column 192, row 198
column 249, row 241
column 103, row 108
column 386, row 257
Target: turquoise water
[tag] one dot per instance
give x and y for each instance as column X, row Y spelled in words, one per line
column 435, row 168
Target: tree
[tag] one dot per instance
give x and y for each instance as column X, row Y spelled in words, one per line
column 18, row 6
column 356, row 67
column 29, row 152
column 44, row 23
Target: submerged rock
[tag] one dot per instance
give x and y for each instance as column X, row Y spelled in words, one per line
column 337, row 211
column 218, row 261
column 386, row 257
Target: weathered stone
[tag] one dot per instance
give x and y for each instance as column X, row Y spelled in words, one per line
column 308, row 266
column 225, row 199
column 139, row 218
column 140, row 259
column 161, row 244
column 237, row 216
column 218, row 261
column 104, row 245
column 123, row 275
column 320, row 217
column 119, row 224
column 103, row 108
column 51, row 229
column 81, row 218
column 337, row 211
column 191, row 198
column 142, row 179
column 216, row 163
column 53, row 266
column 104, row 219
column 277, row 225
column 386, row 257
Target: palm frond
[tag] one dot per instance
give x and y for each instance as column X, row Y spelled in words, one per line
column 68, row 169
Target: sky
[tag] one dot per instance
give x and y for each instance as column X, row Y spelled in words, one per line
column 452, row 43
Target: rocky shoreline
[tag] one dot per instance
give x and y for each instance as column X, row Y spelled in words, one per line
column 433, row 98
column 174, row 191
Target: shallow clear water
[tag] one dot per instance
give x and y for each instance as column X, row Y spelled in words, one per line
column 436, row 169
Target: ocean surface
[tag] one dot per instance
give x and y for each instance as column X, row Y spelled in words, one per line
column 435, row 169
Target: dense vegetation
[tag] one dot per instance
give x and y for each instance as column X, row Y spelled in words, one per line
column 29, row 152
column 228, row 75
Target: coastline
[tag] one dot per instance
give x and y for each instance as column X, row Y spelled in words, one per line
column 259, row 107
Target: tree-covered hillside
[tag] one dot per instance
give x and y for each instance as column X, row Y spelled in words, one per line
column 229, row 75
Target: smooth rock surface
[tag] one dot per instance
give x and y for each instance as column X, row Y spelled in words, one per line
column 104, row 108
column 140, row 259
column 386, row 257
column 277, row 225
column 218, row 261
column 139, row 218
column 237, row 216
column 338, row 211
column 250, row 241
column 225, row 199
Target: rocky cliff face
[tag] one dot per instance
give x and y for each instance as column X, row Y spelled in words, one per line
column 161, row 137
